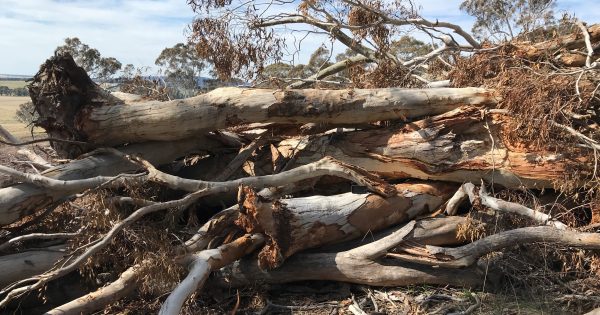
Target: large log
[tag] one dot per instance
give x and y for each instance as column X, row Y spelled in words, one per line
column 24, row 199
column 459, row 146
column 295, row 224
column 366, row 264
column 72, row 107
column 23, row 265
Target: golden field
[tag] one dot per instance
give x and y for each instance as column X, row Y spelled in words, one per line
column 13, row 84
column 8, row 107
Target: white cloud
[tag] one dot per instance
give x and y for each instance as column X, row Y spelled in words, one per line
column 135, row 31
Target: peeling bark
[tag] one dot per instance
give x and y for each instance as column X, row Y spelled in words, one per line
column 362, row 265
column 87, row 113
column 455, row 146
column 293, row 225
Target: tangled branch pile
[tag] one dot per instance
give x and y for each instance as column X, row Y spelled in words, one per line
column 241, row 186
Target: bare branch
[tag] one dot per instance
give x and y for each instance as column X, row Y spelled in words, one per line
column 379, row 248
column 38, row 236
column 32, row 156
column 467, row 255
column 331, row 70
column 588, row 45
column 468, row 189
column 203, row 263
column 97, row 300
column 325, row 166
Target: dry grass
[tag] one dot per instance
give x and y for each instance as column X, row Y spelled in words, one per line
column 8, row 107
column 13, row 84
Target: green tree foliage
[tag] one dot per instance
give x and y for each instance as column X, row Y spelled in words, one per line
column 408, row 47
column 98, row 68
column 26, row 113
column 345, row 55
column 277, row 70
column 20, row 91
column 318, row 59
column 181, row 66
column 505, row 19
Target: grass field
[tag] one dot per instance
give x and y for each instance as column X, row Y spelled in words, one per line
column 8, row 107
column 13, row 84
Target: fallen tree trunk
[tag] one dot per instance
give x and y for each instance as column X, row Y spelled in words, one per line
column 456, row 146
column 26, row 264
column 362, row 265
column 20, row 200
column 293, row 225
column 87, row 113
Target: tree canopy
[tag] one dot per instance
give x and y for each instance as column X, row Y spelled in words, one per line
column 100, row 68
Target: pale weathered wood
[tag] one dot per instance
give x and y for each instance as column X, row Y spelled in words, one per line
column 362, row 265
column 326, row 166
column 295, row 224
column 455, row 146
column 89, row 114
column 24, row 199
column 468, row 254
column 23, row 265
column 226, row 107
column 485, row 199
column 97, row 300
column 131, row 278
column 203, row 263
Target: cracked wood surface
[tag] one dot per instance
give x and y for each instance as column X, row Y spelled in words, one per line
column 455, row 146
column 295, row 224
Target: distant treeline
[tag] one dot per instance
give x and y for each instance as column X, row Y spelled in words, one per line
column 20, row 91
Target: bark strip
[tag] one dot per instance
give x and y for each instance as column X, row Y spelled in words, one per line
column 455, row 146
column 293, row 225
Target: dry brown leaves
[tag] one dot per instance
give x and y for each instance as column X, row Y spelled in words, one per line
column 383, row 75
column 234, row 50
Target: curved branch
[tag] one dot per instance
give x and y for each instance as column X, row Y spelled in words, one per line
column 332, row 28
column 203, row 263
column 468, row 189
column 331, row 70
column 418, row 21
column 97, row 300
column 12, row 140
column 467, row 255
column 325, row 166
column 71, row 185
column 35, row 236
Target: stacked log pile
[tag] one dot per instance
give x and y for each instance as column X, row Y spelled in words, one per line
column 241, row 186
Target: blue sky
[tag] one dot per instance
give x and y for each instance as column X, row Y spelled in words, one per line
column 135, row 31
